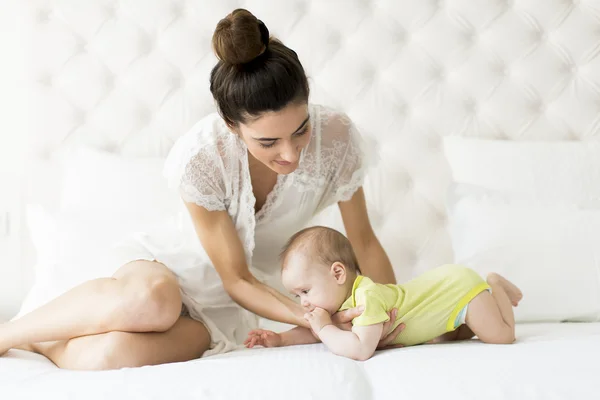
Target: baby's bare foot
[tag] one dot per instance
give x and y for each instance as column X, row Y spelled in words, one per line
column 513, row 292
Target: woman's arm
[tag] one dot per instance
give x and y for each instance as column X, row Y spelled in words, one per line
column 221, row 242
column 295, row 336
column 372, row 258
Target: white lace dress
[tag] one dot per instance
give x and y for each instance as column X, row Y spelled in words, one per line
column 209, row 166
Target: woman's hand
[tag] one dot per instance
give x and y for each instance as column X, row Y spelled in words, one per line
column 262, row 337
column 388, row 337
column 343, row 320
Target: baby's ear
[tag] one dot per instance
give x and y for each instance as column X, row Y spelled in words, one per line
column 338, row 271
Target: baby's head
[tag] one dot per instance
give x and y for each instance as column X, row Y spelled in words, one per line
column 319, row 266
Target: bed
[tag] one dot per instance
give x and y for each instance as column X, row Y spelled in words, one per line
column 550, row 361
column 485, row 116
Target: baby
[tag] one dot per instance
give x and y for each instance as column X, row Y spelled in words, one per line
column 450, row 302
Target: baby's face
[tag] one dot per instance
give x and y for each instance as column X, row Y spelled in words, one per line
column 313, row 284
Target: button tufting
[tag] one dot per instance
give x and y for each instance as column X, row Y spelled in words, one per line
column 399, row 36
column 176, row 80
column 404, row 109
column 368, row 74
column 442, row 219
column 471, row 36
column 334, row 40
column 79, row 117
column 176, row 10
column 80, row 46
column 46, row 80
column 144, row 116
column 470, row 106
column 146, row 44
column 43, row 15
column 109, row 80
column 433, row 142
column 538, row 106
column 439, row 73
column 111, row 10
column 542, row 35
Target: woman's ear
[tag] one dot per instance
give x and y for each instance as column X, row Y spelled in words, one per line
column 338, row 271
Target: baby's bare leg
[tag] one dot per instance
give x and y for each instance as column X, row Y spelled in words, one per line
column 512, row 291
column 463, row 332
column 490, row 315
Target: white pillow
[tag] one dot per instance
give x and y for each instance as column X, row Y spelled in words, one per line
column 559, row 172
column 75, row 247
column 104, row 198
column 101, row 182
column 551, row 252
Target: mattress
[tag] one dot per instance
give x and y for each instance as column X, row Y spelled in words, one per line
column 549, row 361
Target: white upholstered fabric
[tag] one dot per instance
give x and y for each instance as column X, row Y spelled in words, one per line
column 131, row 76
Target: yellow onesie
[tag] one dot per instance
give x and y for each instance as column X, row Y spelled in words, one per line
column 429, row 304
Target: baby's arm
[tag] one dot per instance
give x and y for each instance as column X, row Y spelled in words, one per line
column 360, row 344
column 265, row 338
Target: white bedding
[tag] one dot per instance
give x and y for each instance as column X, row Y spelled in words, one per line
column 550, row 361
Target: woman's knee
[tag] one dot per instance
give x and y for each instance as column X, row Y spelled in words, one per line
column 151, row 296
column 187, row 340
column 98, row 353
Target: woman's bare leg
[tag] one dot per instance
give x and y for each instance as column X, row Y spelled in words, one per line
column 142, row 296
column 186, row 340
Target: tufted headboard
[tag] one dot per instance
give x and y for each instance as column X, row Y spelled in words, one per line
column 130, row 76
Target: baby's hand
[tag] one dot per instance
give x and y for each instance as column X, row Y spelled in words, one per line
column 264, row 338
column 318, row 318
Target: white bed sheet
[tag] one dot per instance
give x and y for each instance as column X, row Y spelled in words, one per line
column 550, row 361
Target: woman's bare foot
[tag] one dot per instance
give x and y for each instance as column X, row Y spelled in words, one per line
column 5, row 343
column 514, row 293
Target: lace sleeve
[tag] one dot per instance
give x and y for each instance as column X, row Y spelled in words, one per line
column 203, row 182
column 197, row 170
column 350, row 159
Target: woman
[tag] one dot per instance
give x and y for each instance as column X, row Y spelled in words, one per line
column 249, row 177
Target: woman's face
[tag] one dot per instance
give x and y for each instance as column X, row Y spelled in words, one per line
column 276, row 139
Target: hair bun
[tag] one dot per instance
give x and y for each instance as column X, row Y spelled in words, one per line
column 240, row 37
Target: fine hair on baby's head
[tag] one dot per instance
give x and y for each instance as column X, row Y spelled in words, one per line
column 319, row 267
column 322, row 245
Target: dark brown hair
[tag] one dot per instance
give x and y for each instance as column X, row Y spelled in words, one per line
column 324, row 244
column 256, row 73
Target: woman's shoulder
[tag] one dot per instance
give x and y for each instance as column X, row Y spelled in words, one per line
column 332, row 124
column 328, row 115
column 207, row 143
